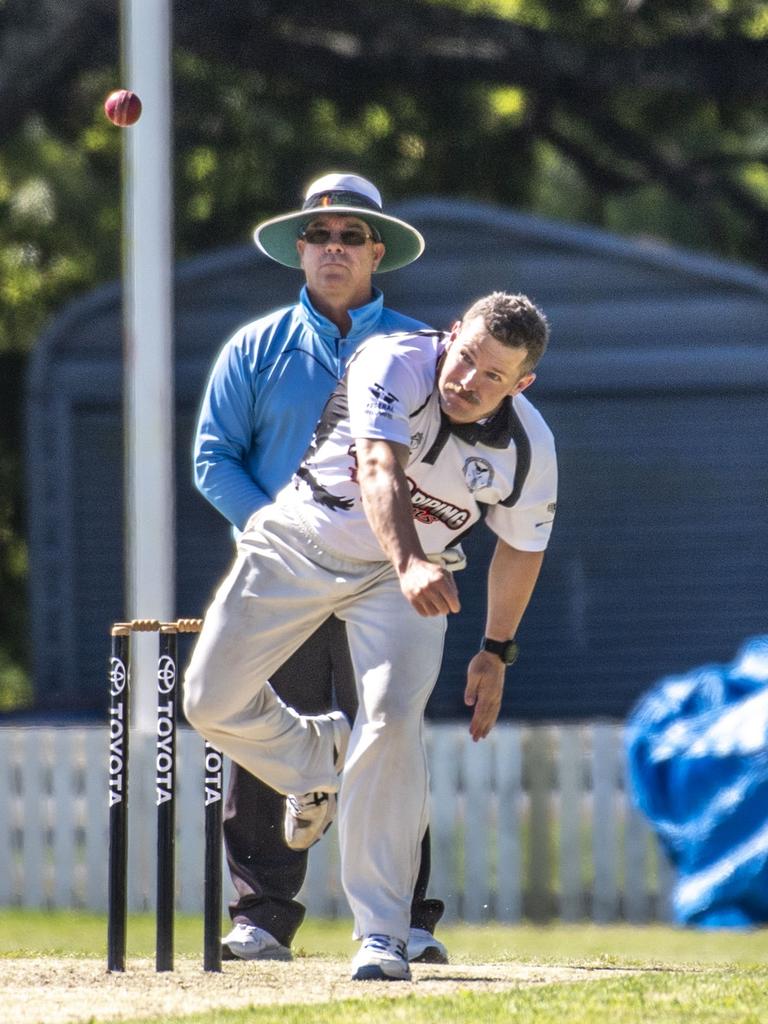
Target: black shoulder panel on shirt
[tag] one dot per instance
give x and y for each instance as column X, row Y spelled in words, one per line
column 523, row 446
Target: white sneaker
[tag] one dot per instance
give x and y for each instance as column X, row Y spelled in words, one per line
column 249, row 942
column 309, row 815
column 424, row 948
column 381, row 958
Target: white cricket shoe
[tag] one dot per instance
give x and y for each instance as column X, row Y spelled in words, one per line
column 249, row 942
column 309, row 815
column 424, row 948
column 381, row 958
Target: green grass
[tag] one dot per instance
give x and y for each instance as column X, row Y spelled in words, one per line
column 720, row 997
column 72, row 933
column 675, row 976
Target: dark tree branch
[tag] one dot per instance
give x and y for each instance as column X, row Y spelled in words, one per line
column 593, row 166
column 422, row 42
column 691, row 180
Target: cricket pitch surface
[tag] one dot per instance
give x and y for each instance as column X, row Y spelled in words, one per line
column 51, row 990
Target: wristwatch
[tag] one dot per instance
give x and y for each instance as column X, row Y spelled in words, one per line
column 507, row 650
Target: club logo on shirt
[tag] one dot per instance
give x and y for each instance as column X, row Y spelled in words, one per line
column 427, row 509
column 381, row 402
column 478, row 473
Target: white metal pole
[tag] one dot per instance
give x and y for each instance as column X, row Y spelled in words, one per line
column 148, row 317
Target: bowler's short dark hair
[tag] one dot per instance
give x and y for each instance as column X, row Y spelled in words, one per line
column 515, row 321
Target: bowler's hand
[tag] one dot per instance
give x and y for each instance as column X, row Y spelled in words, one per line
column 429, row 588
column 485, row 686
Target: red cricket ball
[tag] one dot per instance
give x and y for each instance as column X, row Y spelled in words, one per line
column 122, row 107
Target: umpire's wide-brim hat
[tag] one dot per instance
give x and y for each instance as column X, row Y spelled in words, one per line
column 340, row 194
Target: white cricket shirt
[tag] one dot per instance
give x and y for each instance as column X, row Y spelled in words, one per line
column 389, row 392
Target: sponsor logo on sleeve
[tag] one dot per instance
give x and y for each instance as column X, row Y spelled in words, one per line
column 381, row 401
column 551, row 508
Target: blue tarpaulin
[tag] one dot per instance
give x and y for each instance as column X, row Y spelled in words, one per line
column 697, row 747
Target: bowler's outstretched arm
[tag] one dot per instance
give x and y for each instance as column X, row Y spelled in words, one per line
column 511, row 578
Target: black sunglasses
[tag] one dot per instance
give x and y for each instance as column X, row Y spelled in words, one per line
column 347, row 236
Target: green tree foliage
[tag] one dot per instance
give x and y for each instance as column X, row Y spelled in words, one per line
column 646, row 117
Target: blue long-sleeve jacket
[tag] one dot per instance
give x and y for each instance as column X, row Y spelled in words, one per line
column 265, row 394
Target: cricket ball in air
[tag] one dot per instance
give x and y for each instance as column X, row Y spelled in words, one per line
column 122, row 107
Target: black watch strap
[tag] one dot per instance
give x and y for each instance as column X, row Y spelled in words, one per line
column 507, row 650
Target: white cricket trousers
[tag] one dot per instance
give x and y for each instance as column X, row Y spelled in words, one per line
column 282, row 586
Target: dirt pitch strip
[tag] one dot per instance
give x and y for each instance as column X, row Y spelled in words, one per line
column 49, row 990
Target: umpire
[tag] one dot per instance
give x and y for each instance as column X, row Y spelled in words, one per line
column 263, row 398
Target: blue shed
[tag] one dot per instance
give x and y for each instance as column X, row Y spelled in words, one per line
column 655, row 385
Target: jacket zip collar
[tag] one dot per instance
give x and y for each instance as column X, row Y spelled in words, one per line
column 365, row 319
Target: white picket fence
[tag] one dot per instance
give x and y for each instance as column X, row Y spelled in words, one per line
column 533, row 823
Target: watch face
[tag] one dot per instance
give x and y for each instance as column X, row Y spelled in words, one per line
column 507, row 650
column 511, row 651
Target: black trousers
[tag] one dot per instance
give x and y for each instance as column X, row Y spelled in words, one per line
column 266, row 874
